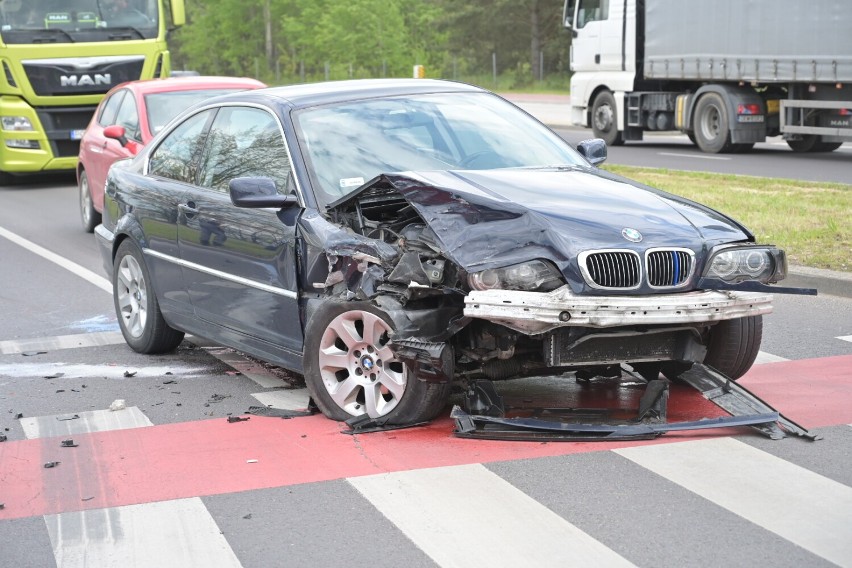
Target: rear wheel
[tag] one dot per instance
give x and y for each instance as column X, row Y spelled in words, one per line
column 805, row 144
column 605, row 119
column 712, row 133
column 88, row 215
column 350, row 369
column 734, row 345
column 136, row 306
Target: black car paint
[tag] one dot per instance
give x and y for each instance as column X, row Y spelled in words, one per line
column 298, row 248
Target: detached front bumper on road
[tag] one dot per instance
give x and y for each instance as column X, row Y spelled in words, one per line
column 539, row 312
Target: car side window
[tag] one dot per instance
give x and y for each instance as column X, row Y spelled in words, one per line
column 128, row 117
column 244, row 142
column 176, row 157
column 110, row 108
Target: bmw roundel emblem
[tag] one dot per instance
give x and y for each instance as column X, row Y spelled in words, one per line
column 631, row 235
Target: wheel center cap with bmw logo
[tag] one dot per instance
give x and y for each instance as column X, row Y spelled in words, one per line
column 367, row 362
column 631, row 235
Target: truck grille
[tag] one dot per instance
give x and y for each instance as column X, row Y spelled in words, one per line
column 669, row 268
column 611, row 269
column 81, row 75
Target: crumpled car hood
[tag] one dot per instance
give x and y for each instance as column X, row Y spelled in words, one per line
column 491, row 218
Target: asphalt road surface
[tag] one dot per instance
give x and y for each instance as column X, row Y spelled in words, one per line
column 167, row 480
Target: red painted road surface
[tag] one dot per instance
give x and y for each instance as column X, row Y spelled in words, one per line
column 209, row 457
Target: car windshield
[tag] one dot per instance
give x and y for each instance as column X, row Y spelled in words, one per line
column 347, row 144
column 162, row 107
column 71, row 21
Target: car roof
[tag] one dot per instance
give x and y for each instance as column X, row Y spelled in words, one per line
column 169, row 84
column 312, row 94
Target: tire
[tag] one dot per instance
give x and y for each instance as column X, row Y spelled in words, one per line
column 605, row 119
column 742, row 148
column 734, row 345
column 805, row 144
column 349, row 368
column 826, row 146
column 88, row 216
column 712, row 133
column 136, row 306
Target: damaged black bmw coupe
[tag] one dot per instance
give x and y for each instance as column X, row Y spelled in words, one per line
column 388, row 238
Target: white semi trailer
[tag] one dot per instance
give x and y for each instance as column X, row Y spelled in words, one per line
column 728, row 73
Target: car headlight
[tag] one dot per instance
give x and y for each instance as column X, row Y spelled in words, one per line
column 738, row 264
column 16, row 123
column 529, row 276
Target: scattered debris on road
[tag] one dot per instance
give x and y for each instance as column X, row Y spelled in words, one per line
column 69, row 443
column 118, row 404
column 50, row 465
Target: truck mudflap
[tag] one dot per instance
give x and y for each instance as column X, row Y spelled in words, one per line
column 488, row 417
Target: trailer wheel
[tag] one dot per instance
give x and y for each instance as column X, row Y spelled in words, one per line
column 350, row 369
column 827, row 146
column 734, row 344
column 712, row 133
column 804, row 144
column 605, row 119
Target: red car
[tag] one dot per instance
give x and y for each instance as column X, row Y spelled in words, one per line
column 129, row 116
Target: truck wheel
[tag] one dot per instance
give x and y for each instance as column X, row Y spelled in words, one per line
column 712, row 133
column 605, row 119
column 805, row 144
column 136, row 305
column 826, row 146
column 734, row 344
column 89, row 217
column 350, row 370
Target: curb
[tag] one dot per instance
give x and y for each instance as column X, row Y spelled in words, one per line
column 827, row 282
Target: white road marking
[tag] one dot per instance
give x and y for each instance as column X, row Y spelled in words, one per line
column 676, row 155
column 285, row 399
column 179, row 533
column 764, row 357
column 245, row 366
column 799, row 505
column 63, row 262
column 84, row 423
column 444, row 510
column 94, row 339
column 845, row 338
column 61, row 371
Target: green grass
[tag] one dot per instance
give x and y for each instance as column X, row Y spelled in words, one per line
column 811, row 221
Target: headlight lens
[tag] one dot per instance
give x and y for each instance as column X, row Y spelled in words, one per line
column 16, row 123
column 764, row 264
column 529, row 276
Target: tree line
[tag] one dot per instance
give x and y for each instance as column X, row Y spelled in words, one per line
column 283, row 41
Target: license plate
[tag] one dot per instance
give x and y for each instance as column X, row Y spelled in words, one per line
column 77, row 134
column 750, row 118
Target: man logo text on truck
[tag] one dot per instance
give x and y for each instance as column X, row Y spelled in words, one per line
column 85, row 80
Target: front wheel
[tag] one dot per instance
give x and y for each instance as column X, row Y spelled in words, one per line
column 734, row 345
column 88, row 215
column 350, row 370
column 136, row 306
column 605, row 119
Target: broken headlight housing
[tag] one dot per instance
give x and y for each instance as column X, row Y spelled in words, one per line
column 535, row 275
column 741, row 263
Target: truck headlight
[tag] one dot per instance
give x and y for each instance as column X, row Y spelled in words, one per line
column 17, row 123
column 529, row 276
column 738, row 264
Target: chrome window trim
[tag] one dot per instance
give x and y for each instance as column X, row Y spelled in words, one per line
column 581, row 260
column 686, row 280
column 173, row 124
column 223, row 275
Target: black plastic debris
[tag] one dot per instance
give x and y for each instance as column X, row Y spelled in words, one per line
column 33, row 353
column 59, row 391
column 217, row 398
column 67, row 417
column 247, row 516
column 280, row 412
column 169, row 382
column 19, row 415
column 3, row 437
column 2, row 506
column 50, row 465
column 130, row 373
column 69, row 443
column 232, row 419
column 54, row 375
column 87, row 498
column 365, row 425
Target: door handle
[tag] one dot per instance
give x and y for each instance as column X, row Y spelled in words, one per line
column 188, row 209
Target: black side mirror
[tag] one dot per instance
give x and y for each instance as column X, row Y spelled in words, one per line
column 258, row 192
column 594, row 150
